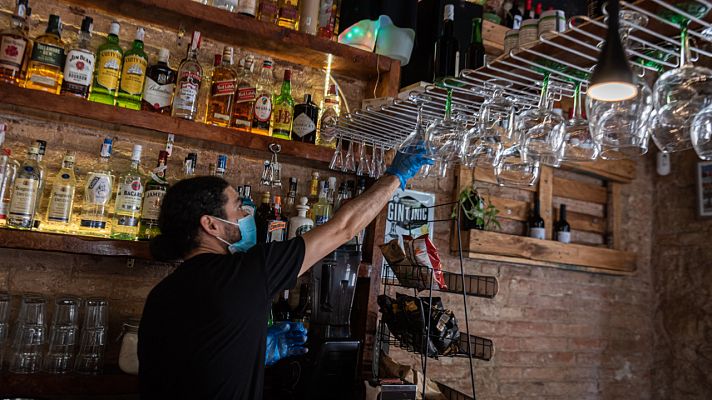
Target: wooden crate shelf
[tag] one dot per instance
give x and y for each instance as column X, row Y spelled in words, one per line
column 42, row 241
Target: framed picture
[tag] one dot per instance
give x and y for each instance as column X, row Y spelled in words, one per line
column 704, row 189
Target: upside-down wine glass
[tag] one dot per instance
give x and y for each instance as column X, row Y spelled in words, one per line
column 578, row 142
column 540, row 141
column 446, row 137
column 337, row 160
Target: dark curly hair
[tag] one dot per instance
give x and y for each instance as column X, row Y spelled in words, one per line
column 179, row 221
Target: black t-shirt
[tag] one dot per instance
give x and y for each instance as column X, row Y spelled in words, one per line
column 204, row 327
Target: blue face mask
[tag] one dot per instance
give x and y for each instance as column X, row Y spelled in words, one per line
column 248, row 233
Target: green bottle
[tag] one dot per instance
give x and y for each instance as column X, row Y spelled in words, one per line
column 153, row 198
column 282, row 113
column 133, row 74
column 108, row 68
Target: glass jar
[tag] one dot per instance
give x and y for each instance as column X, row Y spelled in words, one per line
column 128, row 356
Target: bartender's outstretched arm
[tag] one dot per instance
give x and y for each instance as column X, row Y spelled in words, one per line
column 356, row 214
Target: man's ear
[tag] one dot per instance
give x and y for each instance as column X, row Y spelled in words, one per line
column 210, row 225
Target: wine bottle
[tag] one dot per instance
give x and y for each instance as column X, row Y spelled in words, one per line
column 447, row 49
column 516, row 15
column 529, row 11
column 476, row 52
column 281, row 309
column 536, row 223
column 537, row 13
column 562, row 230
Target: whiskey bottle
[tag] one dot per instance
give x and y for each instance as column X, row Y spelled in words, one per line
column 79, row 68
column 8, row 171
column 244, row 97
column 98, row 189
column 291, row 199
column 14, row 46
column 229, row 5
column 220, row 167
column 309, row 16
column 129, row 196
column 21, row 210
column 222, row 92
column 262, row 217
column 288, row 15
column 305, row 119
column 153, row 198
column 247, row 7
column 262, row 111
column 190, row 76
column 268, row 11
column 283, row 109
column 159, row 86
column 108, row 68
column 328, row 19
column 189, row 165
column 46, row 67
column 330, row 110
column 133, row 74
column 61, row 198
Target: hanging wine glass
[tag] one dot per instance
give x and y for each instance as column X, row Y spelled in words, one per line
column 382, row 161
column 701, row 133
column 680, row 94
column 513, row 171
column 492, row 126
column 418, row 140
column 337, row 160
column 446, row 137
column 349, row 162
column 375, row 165
column 364, row 165
column 540, row 140
column 578, row 142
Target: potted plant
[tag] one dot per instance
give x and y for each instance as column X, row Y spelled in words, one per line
column 477, row 212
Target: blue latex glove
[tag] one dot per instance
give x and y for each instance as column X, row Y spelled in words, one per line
column 285, row 339
column 406, row 166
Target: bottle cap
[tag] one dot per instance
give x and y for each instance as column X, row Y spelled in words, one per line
column 302, row 206
column 222, row 163
column 41, row 146
column 33, row 150
column 164, row 55
column 267, row 64
column 106, row 147
column 218, row 60
column 195, row 42
column 307, row 98
column 87, row 24
column 449, row 14
column 162, row 156
column 227, row 54
column 194, row 157
column 136, row 153
column 115, row 28
column 55, row 21
column 287, row 75
column 140, row 33
column 332, row 182
column 69, row 157
column 315, row 174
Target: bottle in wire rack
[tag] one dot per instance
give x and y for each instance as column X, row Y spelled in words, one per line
column 79, row 68
column 9, row 168
column 562, row 229
column 476, row 51
column 15, row 46
column 283, row 112
column 536, row 223
column 245, row 95
column 154, row 192
column 222, row 92
column 46, row 66
column 133, row 74
column 21, row 210
column 129, row 199
column 61, row 198
column 108, row 68
column 94, row 218
column 447, row 48
column 190, row 76
column 262, row 111
column 159, row 85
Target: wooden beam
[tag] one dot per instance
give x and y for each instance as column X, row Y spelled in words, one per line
column 615, row 211
column 622, row 171
column 546, row 190
column 537, row 263
column 577, row 190
column 41, row 241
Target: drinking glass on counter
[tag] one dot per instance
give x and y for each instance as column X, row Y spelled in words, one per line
column 92, row 342
column 30, row 335
column 63, row 335
column 4, row 325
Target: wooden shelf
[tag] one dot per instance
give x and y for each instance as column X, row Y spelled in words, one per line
column 493, row 37
column 101, row 113
column 112, row 382
column 249, row 33
column 41, row 241
column 493, row 246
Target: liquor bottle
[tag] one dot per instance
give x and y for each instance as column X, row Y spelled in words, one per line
column 283, row 109
column 536, row 223
column 330, row 111
column 447, row 49
column 328, row 19
column 61, row 198
column 268, row 11
column 94, row 217
column 229, row 5
column 14, row 46
column 190, row 76
column 277, row 225
column 8, row 172
column 562, row 229
column 309, row 16
column 108, row 68
column 21, row 210
column 529, row 11
column 537, row 13
column 476, row 51
column 247, row 200
column 79, row 68
column 41, row 204
column 247, row 7
column 322, row 209
column 262, row 111
column 361, row 185
column 331, row 195
column 222, row 92
column 281, row 309
column 288, row 14
column 159, row 85
column 262, row 217
column 291, row 199
column 244, row 97
column 300, row 224
column 305, row 119
column 129, row 196
column 507, row 14
column 133, row 74
column 516, row 14
column 594, row 8
column 314, row 188
column 189, row 165
column 220, row 167
column 152, row 198
column 46, row 66
column 341, row 195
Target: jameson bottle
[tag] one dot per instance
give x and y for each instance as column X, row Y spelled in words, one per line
column 159, row 86
column 129, row 196
column 108, row 68
column 222, row 90
column 79, row 68
column 98, row 190
column 133, row 74
column 190, row 76
column 283, row 109
column 21, row 212
column 61, row 198
column 14, row 46
column 262, row 111
column 153, row 198
column 305, row 119
column 46, row 67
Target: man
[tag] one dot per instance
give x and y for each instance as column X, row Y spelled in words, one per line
column 203, row 329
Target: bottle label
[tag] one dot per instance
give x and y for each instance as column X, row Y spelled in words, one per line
column 133, row 74
column 517, row 22
column 79, row 68
column 325, row 11
column 156, row 94
column 109, row 69
column 127, row 221
column 128, row 199
column 283, row 117
column 303, row 229
column 268, row 8
column 12, row 51
column 23, row 198
column 247, row 7
column 537, row 233
column 223, row 88
column 186, row 96
column 288, row 12
column 263, row 108
column 321, row 220
column 48, row 54
column 303, row 125
column 563, row 237
column 152, row 204
column 246, row 94
column 60, row 208
column 98, row 189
